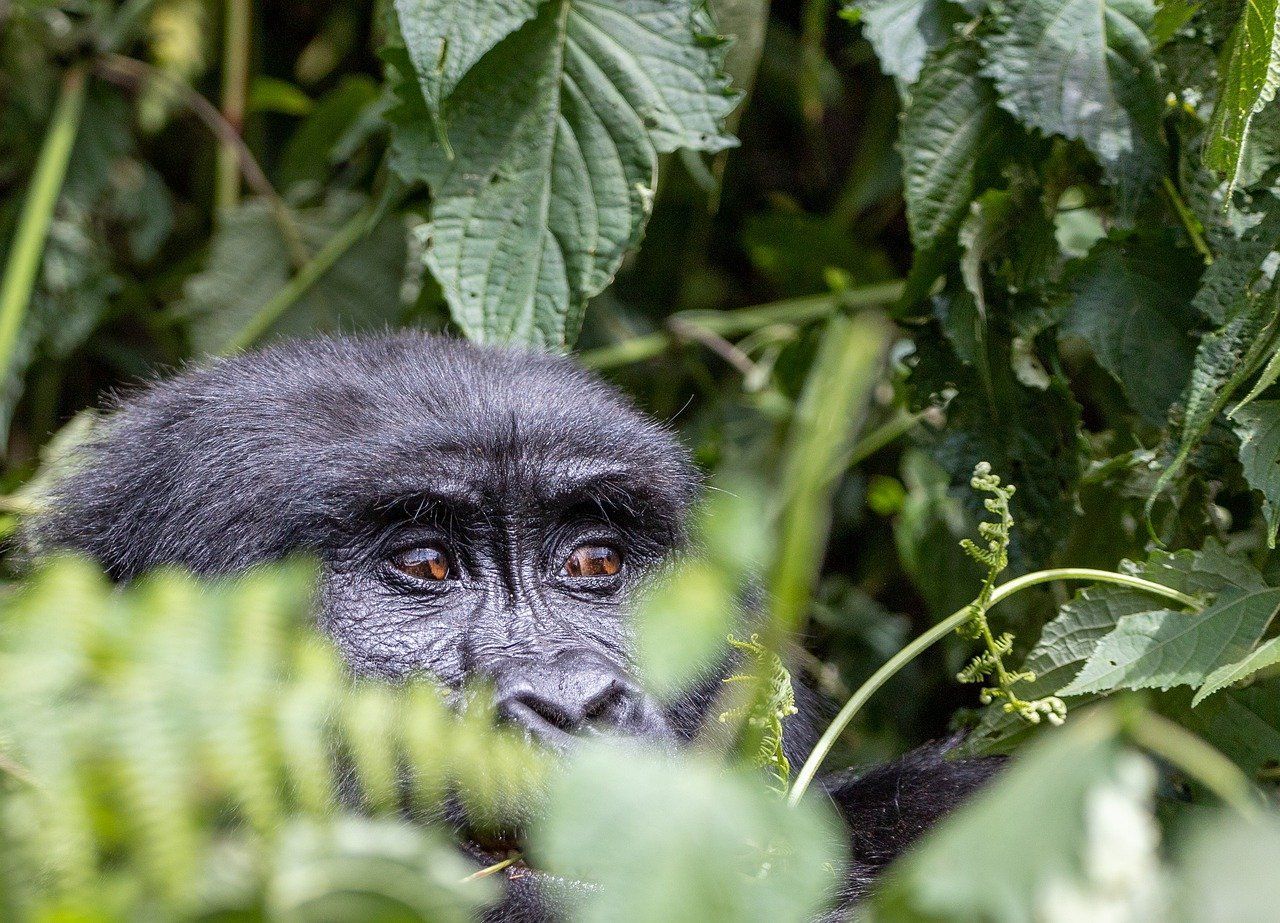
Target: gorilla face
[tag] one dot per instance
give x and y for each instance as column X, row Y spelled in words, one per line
column 479, row 515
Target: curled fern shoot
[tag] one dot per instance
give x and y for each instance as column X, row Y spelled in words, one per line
column 988, row 666
column 762, row 715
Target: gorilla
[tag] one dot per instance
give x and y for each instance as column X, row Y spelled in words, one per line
column 478, row 514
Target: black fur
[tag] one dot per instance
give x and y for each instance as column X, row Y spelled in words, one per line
column 354, row 448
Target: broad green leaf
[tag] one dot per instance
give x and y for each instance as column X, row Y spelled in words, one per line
column 1040, row 839
column 1164, row 648
column 555, row 136
column 1258, row 426
column 668, row 840
column 1238, row 264
column 1263, row 656
column 1226, row 872
column 360, row 868
column 249, row 263
column 1242, row 723
column 681, row 624
column 1225, row 360
column 1069, row 639
column 903, row 32
column 1082, row 69
column 1129, row 302
column 946, row 130
column 446, row 38
column 1250, row 78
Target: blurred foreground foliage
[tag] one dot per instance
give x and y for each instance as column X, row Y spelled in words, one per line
column 1069, row 211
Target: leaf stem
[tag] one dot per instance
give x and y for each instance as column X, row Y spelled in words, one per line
column 1174, row 743
column 333, row 250
column 27, row 250
column 944, row 628
column 1195, row 230
column 742, row 320
column 237, row 25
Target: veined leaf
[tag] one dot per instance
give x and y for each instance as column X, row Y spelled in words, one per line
column 1225, row 359
column 903, row 32
column 445, row 39
column 1261, row 657
column 1163, row 648
column 1081, row 69
column 556, row 133
column 1242, row 723
column 1258, row 426
column 1130, row 304
column 945, row 132
column 1250, row 78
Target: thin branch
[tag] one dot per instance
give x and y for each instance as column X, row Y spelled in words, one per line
column 731, row 354
column 133, row 74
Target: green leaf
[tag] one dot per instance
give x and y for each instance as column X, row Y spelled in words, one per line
column 1035, row 838
column 248, row 263
column 1225, row 360
column 1130, row 303
column 1263, row 656
column 556, row 134
column 360, row 868
column 1082, row 69
column 721, row 844
column 1163, row 648
column 1258, row 426
column 1242, row 723
column 1250, row 78
column 903, row 32
column 446, row 38
column 681, row 624
column 1227, row 872
column 946, row 131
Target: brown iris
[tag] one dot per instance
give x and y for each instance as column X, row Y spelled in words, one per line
column 425, row 562
column 593, row 561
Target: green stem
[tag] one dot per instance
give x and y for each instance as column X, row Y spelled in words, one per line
column 337, row 245
column 235, row 92
column 1197, row 759
column 1189, row 221
column 944, row 628
column 743, row 320
column 27, row 250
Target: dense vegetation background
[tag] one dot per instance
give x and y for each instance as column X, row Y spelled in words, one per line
column 1068, row 211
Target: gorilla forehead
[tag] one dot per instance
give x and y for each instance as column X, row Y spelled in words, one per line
column 402, row 414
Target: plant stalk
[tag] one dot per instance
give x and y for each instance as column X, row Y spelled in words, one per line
column 743, row 320
column 1174, row 743
column 944, row 628
column 237, row 26
column 27, row 249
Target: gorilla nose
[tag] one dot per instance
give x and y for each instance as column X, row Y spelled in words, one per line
column 556, row 701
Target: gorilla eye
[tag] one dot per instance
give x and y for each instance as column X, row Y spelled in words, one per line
column 424, row 562
column 592, row 561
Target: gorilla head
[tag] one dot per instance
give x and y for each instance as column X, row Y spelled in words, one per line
column 477, row 513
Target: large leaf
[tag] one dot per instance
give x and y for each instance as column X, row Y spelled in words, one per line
column 1081, row 69
column 1055, row 813
column 1130, row 304
column 249, row 263
column 1258, row 426
column 683, row 840
column 445, row 39
column 1164, row 648
column 1249, row 83
column 555, row 134
column 945, row 132
column 903, row 32
column 1261, row 657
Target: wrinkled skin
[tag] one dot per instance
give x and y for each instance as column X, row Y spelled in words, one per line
column 497, row 468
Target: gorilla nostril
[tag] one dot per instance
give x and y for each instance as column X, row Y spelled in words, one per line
column 610, row 707
column 538, row 713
